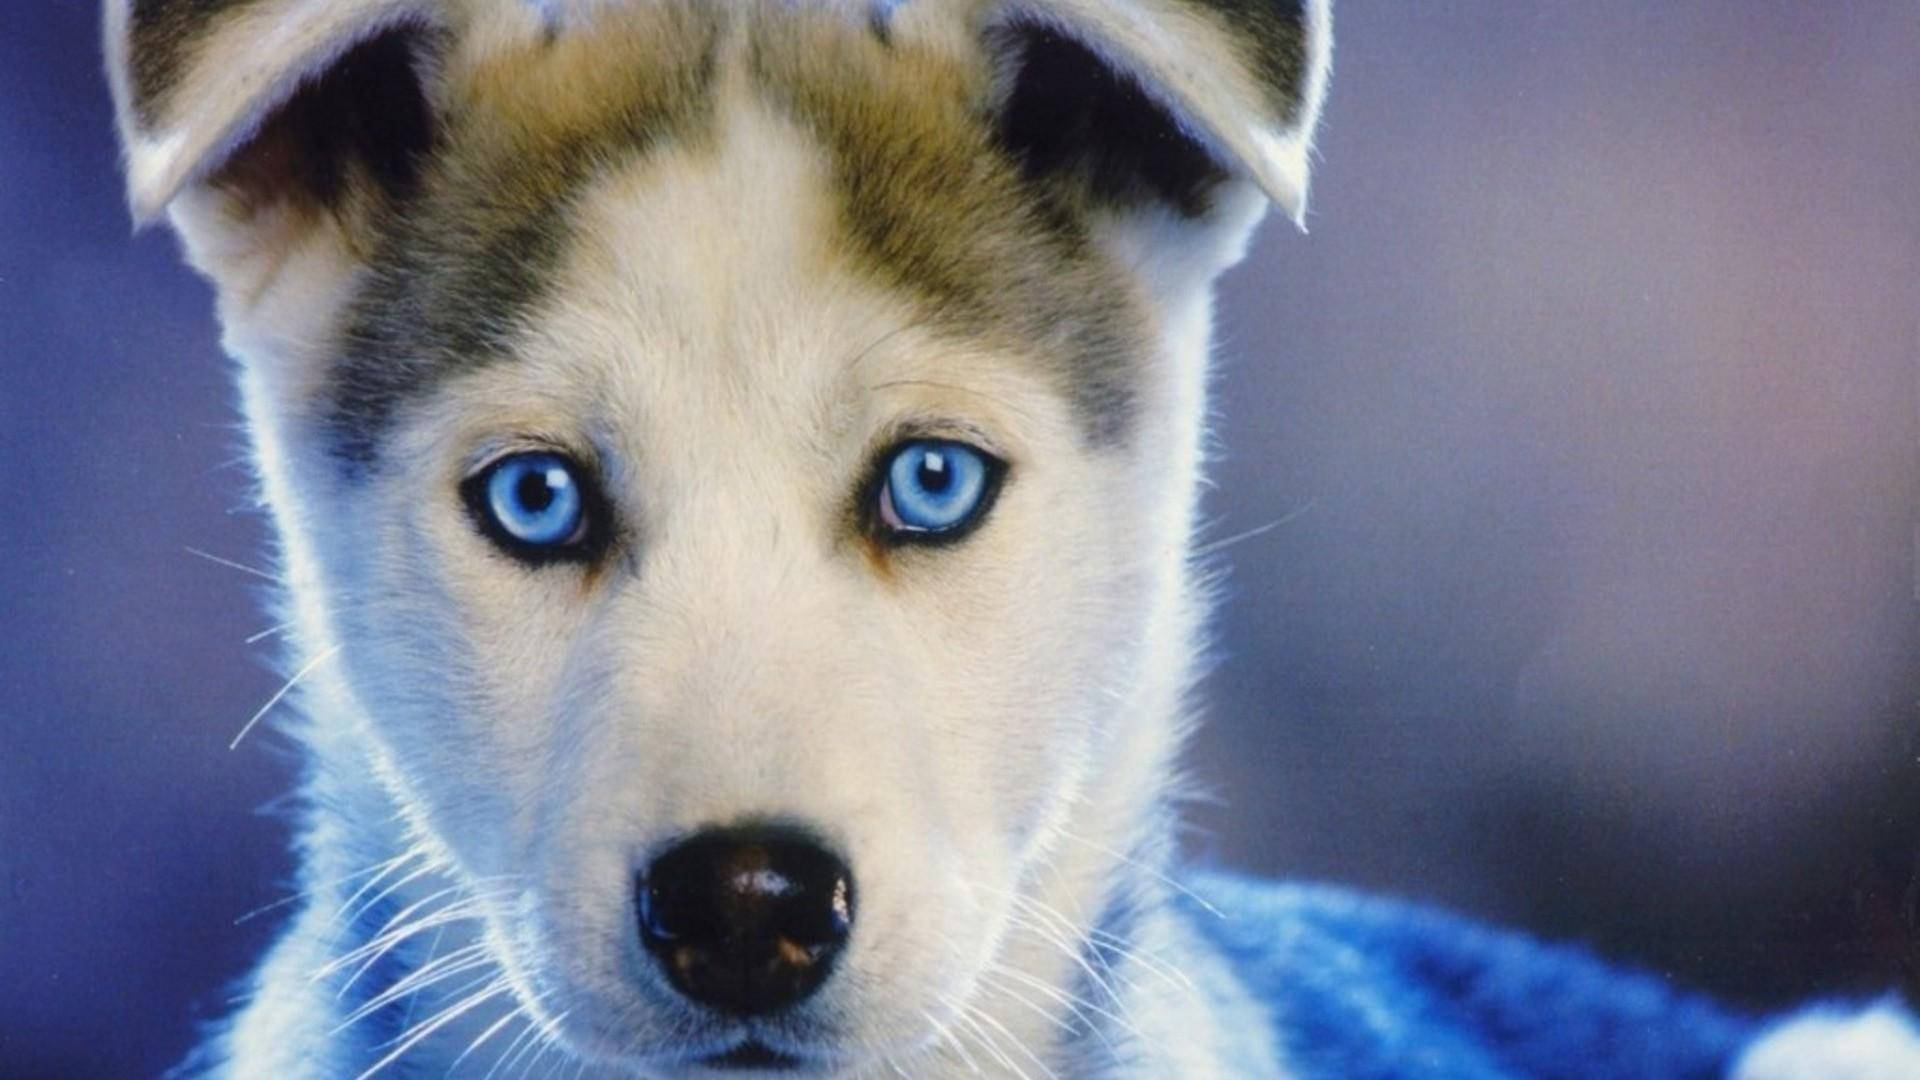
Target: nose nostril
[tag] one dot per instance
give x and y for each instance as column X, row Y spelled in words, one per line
column 747, row 921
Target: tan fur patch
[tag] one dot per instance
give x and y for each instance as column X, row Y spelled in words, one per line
column 541, row 98
column 930, row 204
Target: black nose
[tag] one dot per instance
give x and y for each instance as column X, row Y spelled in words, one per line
column 746, row 920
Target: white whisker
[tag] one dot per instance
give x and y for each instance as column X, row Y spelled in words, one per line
column 943, row 1034
column 325, row 655
column 964, row 1017
column 232, row 565
column 458, row 962
column 376, row 869
column 1172, row 975
column 1078, row 1005
column 512, row 1051
column 979, row 1020
column 987, row 1018
column 262, row 635
column 446, row 1016
column 1053, row 928
column 1035, row 916
column 1216, row 546
column 341, row 916
column 545, row 1034
column 492, row 1029
column 1145, row 868
column 433, row 958
column 991, row 979
column 387, row 942
column 399, row 929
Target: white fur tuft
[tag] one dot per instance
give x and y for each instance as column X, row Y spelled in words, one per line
column 1880, row 1043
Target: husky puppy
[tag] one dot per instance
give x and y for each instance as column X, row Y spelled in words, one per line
column 734, row 466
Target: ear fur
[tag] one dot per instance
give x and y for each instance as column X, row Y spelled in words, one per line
column 195, row 81
column 1242, row 79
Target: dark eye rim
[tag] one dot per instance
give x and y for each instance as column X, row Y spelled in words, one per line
column 595, row 513
column 879, row 465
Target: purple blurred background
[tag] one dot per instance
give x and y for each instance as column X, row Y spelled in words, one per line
column 1590, row 405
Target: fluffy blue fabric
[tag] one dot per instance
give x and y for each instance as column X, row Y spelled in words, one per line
column 1360, row 988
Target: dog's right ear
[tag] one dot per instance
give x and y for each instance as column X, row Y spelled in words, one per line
column 269, row 127
column 1161, row 94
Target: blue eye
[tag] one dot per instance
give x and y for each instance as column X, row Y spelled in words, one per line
column 533, row 504
column 934, row 487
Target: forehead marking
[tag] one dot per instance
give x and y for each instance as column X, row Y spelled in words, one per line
column 929, row 205
column 462, row 263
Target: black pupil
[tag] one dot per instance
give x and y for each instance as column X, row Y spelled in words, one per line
column 533, row 491
column 934, row 476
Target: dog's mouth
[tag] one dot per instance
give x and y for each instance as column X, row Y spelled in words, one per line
column 755, row 1056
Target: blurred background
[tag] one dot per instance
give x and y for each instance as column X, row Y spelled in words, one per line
column 1587, row 412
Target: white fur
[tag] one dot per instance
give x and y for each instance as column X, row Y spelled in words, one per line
column 1880, row 1043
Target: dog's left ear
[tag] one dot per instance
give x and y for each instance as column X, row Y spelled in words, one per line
column 198, row 83
column 1164, row 98
column 273, row 134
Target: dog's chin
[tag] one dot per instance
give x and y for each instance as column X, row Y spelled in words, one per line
column 736, row 1049
column 679, row 1043
column 753, row 1057
column 629, row 1021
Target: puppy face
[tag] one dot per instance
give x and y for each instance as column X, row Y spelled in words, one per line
column 746, row 423
column 742, row 628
